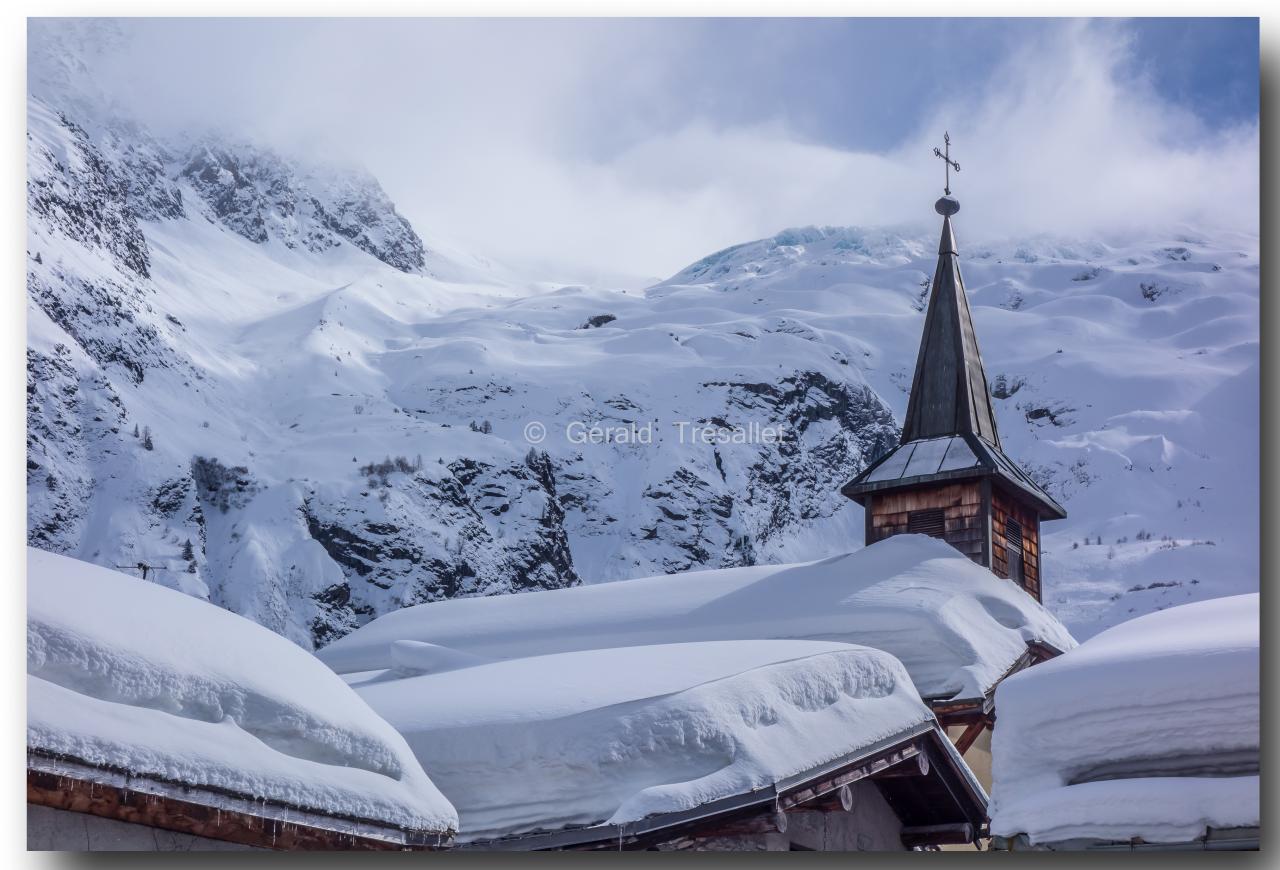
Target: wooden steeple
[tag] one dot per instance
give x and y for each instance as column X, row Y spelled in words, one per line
column 948, row 477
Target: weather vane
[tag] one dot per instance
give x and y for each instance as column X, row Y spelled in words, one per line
column 946, row 157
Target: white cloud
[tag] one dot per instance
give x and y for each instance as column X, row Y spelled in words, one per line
column 1061, row 141
column 597, row 146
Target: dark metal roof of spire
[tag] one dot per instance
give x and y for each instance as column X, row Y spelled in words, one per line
column 949, row 394
column 950, row 430
column 951, row 458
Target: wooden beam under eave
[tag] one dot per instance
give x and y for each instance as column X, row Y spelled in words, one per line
column 766, row 822
column 958, row 833
column 970, row 734
column 873, row 767
column 920, row 767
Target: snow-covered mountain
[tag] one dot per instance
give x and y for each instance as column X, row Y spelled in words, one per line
column 258, row 377
column 255, row 374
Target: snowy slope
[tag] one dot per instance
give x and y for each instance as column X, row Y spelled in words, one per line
column 274, row 379
column 1125, row 373
column 286, row 337
column 132, row 677
column 179, row 331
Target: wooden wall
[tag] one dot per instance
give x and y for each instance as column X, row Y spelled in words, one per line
column 961, row 503
column 293, row 829
column 1004, row 507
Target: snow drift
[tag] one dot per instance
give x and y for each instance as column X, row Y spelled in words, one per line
column 1150, row 729
column 616, row 735
column 130, row 676
column 955, row 626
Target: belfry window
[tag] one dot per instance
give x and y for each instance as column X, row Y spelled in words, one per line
column 1013, row 550
column 927, row 522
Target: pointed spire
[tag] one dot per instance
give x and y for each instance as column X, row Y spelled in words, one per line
column 949, row 394
column 948, row 243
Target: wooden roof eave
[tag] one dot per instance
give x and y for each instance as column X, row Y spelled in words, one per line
column 74, row 785
column 1244, row 839
column 759, row 811
column 1011, row 473
column 987, row 466
column 963, row 711
column 857, row 491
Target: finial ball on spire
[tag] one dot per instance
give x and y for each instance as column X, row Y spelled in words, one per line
column 947, row 206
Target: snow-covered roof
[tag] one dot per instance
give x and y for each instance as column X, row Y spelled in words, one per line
column 127, row 676
column 1148, row 730
column 610, row 736
column 955, row 626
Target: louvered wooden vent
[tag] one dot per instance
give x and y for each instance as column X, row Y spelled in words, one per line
column 1013, row 534
column 928, row 522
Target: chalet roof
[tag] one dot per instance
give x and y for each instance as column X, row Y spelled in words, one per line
column 909, row 595
column 949, row 394
column 597, row 763
column 945, row 459
column 61, row 782
column 1077, row 763
column 918, row 770
column 135, row 688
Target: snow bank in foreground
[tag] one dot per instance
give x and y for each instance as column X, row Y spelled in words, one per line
column 1163, row 709
column 615, row 735
column 955, row 625
column 127, row 674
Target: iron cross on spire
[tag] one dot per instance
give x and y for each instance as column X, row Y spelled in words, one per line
column 946, row 157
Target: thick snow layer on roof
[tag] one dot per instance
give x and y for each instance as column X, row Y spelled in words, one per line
column 956, row 626
column 1158, row 809
column 615, row 735
column 1170, row 699
column 125, row 674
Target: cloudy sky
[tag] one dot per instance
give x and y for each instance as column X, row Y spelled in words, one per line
column 634, row 147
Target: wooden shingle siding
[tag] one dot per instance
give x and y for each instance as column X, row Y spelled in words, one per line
column 1003, row 509
column 964, row 527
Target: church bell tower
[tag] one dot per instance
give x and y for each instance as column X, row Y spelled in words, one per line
column 948, row 476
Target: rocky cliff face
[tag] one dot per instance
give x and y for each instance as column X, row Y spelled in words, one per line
column 262, row 196
column 75, row 193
